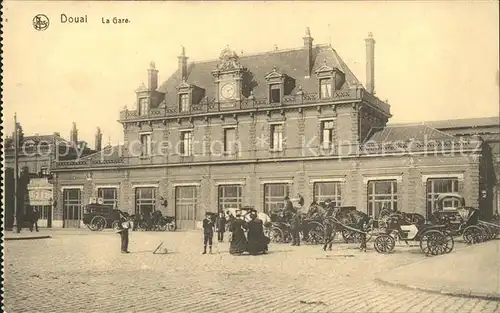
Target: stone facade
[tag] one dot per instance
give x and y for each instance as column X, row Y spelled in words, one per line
column 298, row 161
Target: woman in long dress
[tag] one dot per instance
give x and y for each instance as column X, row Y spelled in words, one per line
column 238, row 240
column 257, row 241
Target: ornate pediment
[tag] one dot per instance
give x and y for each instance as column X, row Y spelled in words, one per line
column 229, row 61
column 141, row 88
column 324, row 69
column 184, row 85
column 274, row 75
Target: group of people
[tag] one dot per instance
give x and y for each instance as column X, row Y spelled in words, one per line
column 245, row 236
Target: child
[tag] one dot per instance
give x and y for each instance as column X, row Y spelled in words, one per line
column 221, row 226
column 208, row 233
column 328, row 234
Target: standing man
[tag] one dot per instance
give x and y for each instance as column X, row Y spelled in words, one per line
column 208, row 232
column 123, row 229
column 289, row 205
column 35, row 215
column 221, row 226
column 328, row 234
column 295, row 228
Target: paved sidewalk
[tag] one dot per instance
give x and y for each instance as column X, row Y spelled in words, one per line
column 470, row 272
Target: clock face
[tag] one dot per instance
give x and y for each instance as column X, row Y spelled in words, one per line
column 227, row 91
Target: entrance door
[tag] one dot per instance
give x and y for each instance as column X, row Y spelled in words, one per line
column 186, row 203
column 72, row 208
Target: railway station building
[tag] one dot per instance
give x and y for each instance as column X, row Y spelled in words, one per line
column 251, row 129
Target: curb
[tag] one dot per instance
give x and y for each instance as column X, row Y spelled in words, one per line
column 475, row 295
column 26, row 238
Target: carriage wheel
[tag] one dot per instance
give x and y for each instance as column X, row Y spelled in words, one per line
column 275, row 235
column 384, row 243
column 473, row 234
column 435, row 242
column 91, row 227
column 170, row 227
column 98, row 222
column 486, row 232
column 161, row 226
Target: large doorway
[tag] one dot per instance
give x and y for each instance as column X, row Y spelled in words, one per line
column 72, row 208
column 186, row 205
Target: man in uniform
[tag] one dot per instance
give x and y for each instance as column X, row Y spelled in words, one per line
column 208, row 232
column 221, row 226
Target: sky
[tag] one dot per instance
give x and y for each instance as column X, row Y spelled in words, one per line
column 433, row 59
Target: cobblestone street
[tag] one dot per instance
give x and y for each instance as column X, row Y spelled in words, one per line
column 85, row 272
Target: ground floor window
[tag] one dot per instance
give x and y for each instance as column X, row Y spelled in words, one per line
column 230, row 196
column 186, row 205
column 435, row 186
column 109, row 196
column 44, row 211
column 328, row 191
column 274, row 197
column 145, row 200
column 72, row 207
column 382, row 194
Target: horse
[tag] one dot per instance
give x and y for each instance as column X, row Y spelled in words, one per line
column 245, row 215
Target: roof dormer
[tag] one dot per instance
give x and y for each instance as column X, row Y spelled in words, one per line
column 279, row 85
column 188, row 94
column 330, row 79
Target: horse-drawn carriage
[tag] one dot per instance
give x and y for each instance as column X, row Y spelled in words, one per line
column 99, row 216
column 433, row 239
column 156, row 221
column 463, row 220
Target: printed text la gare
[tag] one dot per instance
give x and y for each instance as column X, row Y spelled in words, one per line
column 115, row 20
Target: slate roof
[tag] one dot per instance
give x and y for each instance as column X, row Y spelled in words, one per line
column 107, row 154
column 291, row 62
column 47, row 138
column 465, row 123
column 407, row 132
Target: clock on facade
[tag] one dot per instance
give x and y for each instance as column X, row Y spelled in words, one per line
column 227, row 91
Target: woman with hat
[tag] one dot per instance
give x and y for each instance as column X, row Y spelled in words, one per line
column 257, row 241
column 238, row 239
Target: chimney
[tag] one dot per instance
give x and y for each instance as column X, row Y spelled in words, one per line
column 98, row 140
column 74, row 134
column 152, row 77
column 370, row 63
column 183, row 64
column 57, row 134
column 308, row 40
